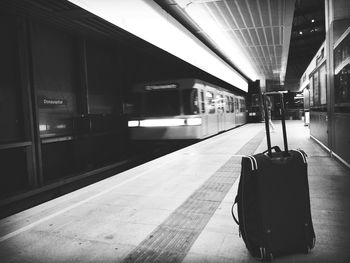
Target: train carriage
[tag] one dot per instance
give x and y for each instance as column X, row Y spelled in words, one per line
column 183, row 109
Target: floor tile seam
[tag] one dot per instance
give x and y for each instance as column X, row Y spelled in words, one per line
column 145, row 207
column 77, row 238
column 214, row 188
column 194, row 211
column 221, row 258
column 181, row 228
column 217, row 179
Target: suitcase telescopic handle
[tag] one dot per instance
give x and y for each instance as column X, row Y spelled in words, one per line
column 268, row 136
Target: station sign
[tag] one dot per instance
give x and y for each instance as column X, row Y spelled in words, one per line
column 51, row 102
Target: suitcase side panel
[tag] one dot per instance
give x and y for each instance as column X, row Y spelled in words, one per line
column 285, row 204
column 249, row 212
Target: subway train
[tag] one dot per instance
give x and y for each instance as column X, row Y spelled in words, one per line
column 183, row 109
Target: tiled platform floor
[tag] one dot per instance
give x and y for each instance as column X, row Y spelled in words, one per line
column 177, row 208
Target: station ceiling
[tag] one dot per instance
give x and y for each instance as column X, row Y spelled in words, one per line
column 265, row 32
column 262, row 30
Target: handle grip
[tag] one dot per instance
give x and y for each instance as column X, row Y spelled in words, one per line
column 233, row 215
column 276, row 148
column 268, row 137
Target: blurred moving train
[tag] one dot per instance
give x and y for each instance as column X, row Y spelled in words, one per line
column 183, row 109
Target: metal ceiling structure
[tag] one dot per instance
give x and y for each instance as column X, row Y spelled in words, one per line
column 308, row 34
column 262, row 29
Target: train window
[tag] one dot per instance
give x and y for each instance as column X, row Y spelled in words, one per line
column 210, row 101
column 311, row 83
column 342, row 87
column 190, row 101
column 161, row 103
column 227, row 103
column 323, row 85
column 232, row 104
column 236, row 105
column 316, row 89
column 202, row 102
column 220, row 102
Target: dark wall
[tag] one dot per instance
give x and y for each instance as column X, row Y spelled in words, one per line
column 11, row 119
column 104, row 77
column 56, row 78
column 13, row 157
column 78, row 83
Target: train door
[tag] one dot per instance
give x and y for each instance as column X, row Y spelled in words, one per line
column 236, row 110
column 227, row 113
column 211, row 111
column 220, row 111
column 232, row 112
column 203, row 112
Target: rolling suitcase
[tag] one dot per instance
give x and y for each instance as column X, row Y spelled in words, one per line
column 273, row 200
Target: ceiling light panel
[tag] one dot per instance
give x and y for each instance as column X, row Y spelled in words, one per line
column 261, row 29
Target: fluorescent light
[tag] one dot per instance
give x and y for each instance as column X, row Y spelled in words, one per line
column 162, row 122
column 149, row 21
column 133, row 123
column 194, row 121
column 219, row 36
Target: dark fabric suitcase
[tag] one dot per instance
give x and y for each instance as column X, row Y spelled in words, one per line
column 273, row 200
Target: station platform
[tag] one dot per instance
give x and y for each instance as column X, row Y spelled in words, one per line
column 177, row 208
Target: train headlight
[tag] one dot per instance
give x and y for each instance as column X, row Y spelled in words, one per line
column 194, row 121
column 133, row 123
column 43, row 127
column 162, row 122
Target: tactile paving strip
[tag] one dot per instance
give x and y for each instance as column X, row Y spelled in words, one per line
column 251, row 146
column 171, row 240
